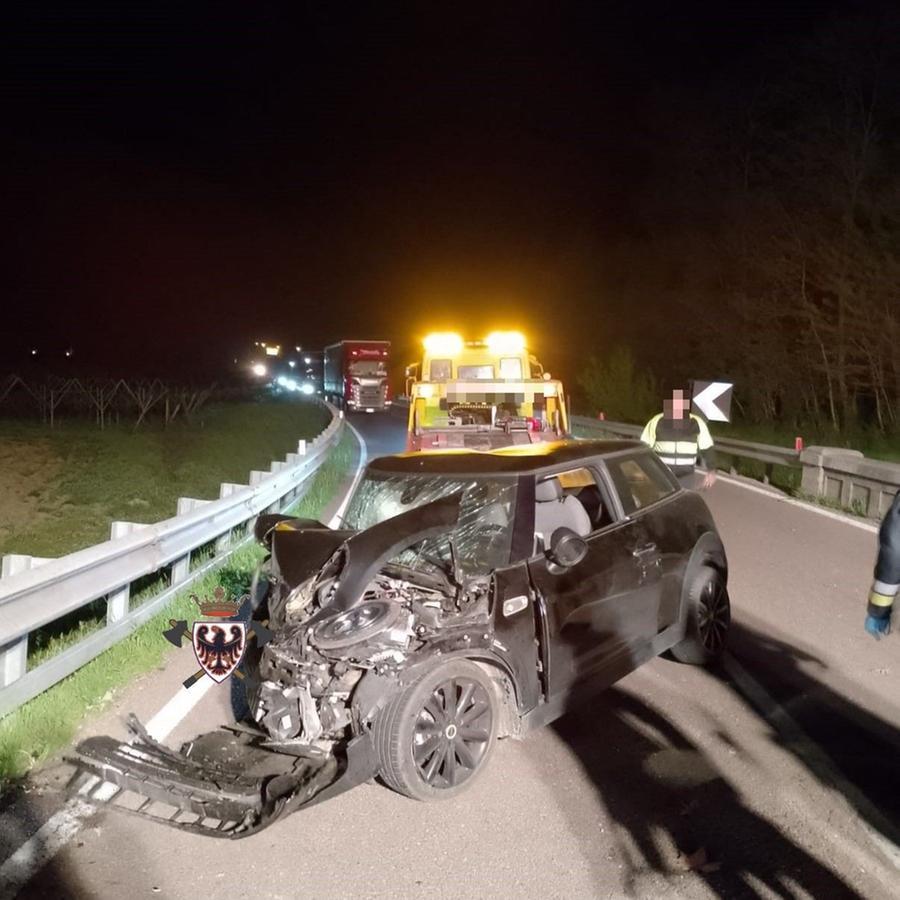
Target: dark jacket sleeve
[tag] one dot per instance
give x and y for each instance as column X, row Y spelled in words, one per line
column 708, row 459
column 887, row 566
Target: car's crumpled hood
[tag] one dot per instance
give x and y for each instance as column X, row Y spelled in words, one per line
column 300, row 553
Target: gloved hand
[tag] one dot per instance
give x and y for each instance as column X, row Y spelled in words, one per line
column 878, row 626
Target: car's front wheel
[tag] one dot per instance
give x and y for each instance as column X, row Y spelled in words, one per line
column 708, row 618
column 438, row 733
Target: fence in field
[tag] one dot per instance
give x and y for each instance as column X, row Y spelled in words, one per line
column 106, row 400
column 37, row 592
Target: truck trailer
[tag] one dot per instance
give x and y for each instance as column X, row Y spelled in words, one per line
column 356, row 375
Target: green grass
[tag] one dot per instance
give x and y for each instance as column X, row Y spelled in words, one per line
column 39, row 728
column 61, row 488
column 786, row 478
column 856, row 508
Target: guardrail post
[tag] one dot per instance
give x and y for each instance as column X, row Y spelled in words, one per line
column 301, row 448
column 13, row 661
column 822, row 475
column 181, row 567
column 256, row 477
column 13, row 563
column 117, row 601
column 14, row 656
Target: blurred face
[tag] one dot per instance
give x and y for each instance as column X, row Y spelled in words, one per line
column 677, row 406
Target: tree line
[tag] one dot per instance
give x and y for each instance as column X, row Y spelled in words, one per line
column 769, row 247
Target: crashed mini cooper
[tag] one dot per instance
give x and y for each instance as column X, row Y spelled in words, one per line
column 469, row 596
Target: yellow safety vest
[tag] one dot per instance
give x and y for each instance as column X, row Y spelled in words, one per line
column 677, row 446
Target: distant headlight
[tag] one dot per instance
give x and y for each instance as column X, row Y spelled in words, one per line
column 308, row 389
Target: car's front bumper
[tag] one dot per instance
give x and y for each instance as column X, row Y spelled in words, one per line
column 225, row 783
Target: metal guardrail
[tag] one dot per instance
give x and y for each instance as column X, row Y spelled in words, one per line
column 766, row 453
column 835, row 475
column 35, row 592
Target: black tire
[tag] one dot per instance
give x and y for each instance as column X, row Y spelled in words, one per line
column 708, row 619
column 435, row 737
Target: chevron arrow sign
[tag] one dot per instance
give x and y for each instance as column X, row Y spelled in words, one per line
column 713, row 399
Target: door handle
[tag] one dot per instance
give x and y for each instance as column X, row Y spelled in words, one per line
column 646, row 550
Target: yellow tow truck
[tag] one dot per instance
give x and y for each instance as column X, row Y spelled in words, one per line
column 482, row 394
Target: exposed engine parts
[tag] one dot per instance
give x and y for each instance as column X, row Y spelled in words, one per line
column 309, row 670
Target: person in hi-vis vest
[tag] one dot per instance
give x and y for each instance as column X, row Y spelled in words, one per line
column 679, row 439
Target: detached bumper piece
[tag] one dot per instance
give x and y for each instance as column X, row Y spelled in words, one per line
column 226, row 783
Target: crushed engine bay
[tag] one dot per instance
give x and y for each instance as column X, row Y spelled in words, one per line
column 308, row 672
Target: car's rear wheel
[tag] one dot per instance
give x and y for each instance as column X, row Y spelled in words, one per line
column 708, row 618
column 437, row 734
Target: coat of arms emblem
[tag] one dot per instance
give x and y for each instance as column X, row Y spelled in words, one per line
column 220, row 641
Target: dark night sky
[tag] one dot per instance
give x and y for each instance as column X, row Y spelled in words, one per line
column 179, row 181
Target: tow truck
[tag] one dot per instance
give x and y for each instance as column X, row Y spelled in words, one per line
column 482, row 395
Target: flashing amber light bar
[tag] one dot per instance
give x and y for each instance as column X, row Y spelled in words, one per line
column 506, row 342
column 443, row 343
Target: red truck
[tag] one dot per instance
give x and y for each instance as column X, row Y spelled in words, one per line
column 356, row 375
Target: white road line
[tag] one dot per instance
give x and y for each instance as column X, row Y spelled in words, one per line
column 781, row 498
column 42, row 846
column 816, row 758
column 165, row 721
column 63, row 825
column 363, row 456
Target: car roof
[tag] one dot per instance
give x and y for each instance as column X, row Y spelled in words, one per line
column 507, row 460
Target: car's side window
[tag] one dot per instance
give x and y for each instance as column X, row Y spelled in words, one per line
column 582, row 483
column 574, row 499
column 638, row 481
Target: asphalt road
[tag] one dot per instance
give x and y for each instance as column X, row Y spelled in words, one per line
column 776, row 775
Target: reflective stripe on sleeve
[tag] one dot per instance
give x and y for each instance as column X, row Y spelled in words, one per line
column 876, row 599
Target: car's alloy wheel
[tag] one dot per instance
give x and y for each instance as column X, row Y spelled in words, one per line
column 708, row 618
column 452, row 732
column 713, row 616
column 435, row 736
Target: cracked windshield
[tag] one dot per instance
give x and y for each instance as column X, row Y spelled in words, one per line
column 482, row 536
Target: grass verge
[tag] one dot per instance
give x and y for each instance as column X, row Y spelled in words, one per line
column 60, row 488
column 32, row 733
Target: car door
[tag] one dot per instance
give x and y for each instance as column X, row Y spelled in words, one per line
column 599, row 609
column 647, row 492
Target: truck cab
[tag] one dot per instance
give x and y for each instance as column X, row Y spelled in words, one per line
column 356, row 376
column 482, row 394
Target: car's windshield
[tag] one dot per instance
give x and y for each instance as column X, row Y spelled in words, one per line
column 367, row 367
column 482, row 535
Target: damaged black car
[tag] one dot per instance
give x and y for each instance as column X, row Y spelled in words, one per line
column 467, row 597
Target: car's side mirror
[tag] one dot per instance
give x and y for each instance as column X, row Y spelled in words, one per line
column 567, row 548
